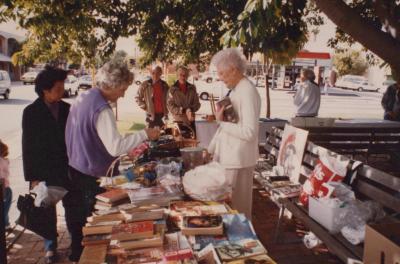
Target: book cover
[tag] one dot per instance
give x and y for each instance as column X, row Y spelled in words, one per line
column 105, row 218
column 94, row 254
column 133, row 230
column 262, row 259
column 112, row 195
column 147, row 255
column 199, row 242
column 238, row 227
column 240, row 249
column 96, row 240
column 229, row 112
column 208, row 255
column 177, row 247
column 202, row 225
column 144, row 215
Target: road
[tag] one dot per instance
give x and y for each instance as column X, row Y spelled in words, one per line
column 339, row 103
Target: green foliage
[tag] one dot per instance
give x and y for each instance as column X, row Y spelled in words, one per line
column 184, row 31
column 277, row 29
column 350, row 62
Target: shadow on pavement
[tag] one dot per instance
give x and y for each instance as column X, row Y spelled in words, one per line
column 15, row 102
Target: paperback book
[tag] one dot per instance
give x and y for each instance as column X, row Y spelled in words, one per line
column 136, row 230
column 177, row 247
column 112, row 195
column 202, row 225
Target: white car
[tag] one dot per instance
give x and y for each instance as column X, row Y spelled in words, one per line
column 71, row 86
column 356, row 83
column 85, row 82
column 29, row 77
column 217, row 89
column 5, row 85
column 209, row 77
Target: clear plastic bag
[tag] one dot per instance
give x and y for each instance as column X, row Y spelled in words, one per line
column 207, row 183
column 47, row 196
column 169, row 174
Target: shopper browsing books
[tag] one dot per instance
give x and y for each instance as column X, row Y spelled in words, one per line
column 235, row 145
column 4, row 174
column 183, row 100
column 92, row 138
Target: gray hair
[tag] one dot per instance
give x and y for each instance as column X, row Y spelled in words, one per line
column 308, row 74
column 230, row 58
column 113, row 75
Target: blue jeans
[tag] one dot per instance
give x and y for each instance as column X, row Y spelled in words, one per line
column 7, row 204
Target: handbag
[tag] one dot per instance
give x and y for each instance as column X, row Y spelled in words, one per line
column 39, row 220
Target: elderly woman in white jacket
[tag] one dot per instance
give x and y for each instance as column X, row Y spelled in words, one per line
column 308, row 96
column 235, row 145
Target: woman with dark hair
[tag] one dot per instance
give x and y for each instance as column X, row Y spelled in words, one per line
column 43, row 144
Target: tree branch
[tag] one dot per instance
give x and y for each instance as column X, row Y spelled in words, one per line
column 385, row 11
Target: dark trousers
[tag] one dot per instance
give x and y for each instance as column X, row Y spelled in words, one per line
column 7, row 204
column 80, row 205
column 156, row 122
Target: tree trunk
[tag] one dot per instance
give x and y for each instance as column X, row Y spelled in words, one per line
column 374, row 39
column 267, row 97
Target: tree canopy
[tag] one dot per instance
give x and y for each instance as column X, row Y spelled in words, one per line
column 350, row 62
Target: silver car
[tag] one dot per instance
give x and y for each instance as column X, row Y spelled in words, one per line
column 5, row 85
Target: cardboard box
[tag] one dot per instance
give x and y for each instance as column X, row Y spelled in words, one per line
column 326, row 216
column 312, row 122
column 382, row 244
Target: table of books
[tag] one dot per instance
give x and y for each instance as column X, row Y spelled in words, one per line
column 144, row 216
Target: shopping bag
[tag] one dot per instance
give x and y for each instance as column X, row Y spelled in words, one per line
column 39, row 220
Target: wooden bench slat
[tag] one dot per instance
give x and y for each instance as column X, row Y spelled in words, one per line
column 385, row 199
column 351, row 137
column 381, row 177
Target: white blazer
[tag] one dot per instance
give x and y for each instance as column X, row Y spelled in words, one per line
column 236, row 145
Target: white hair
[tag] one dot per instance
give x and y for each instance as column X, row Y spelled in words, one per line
column 113, row 75
column 230, row 58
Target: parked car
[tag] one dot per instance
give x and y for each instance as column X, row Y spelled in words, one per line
column 29, row 77
column 5, row 85
column 85, row 82
column 217, row 89
column 209, row 77
column 356, row 83
column 71, row 86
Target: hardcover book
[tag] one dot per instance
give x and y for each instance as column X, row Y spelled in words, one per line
column 202, row 225
column 96, row 240
column 146, row 255
column 96, row 230
column 136, row 230
column 112, row 195
column 229, row 113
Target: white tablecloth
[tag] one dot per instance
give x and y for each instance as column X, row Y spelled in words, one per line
column 206, row 130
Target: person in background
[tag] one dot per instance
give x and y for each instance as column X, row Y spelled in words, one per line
column 235, row 145
column 391, row 102
column 92, row 138
column 152, row 98
column 307, row 98
column 183, row 100
column 44, row 153
column 4, row 174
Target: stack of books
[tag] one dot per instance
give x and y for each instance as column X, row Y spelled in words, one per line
column 111, row 199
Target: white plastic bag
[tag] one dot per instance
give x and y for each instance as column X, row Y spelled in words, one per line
column 207, row 183
column 48, row 195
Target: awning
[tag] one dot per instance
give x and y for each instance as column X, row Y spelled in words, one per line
column 4, row 58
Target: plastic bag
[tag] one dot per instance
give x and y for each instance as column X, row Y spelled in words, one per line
column 207, row 183
column 169, row 174
column 48, row 196
column 354, row 219
column 310, row 240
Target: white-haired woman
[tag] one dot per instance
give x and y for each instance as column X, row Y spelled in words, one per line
column 92, row 138
column 308, row 96
column 235, row 145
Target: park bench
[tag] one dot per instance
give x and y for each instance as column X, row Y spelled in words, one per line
column 370, row 184
column 352, row 141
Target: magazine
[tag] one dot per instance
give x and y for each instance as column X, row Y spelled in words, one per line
column 202, row 225
column 240, row 249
